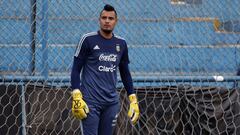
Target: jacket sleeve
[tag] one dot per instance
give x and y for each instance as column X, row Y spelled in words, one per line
column 80, row 58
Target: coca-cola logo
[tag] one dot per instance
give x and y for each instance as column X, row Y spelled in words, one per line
column 110, row 57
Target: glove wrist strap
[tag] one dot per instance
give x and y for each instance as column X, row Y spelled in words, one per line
column 77, row 92
column 132, row 98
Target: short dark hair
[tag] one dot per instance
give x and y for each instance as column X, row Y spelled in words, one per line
column 108, row 7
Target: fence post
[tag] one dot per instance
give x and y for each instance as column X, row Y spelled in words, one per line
column 33, row 37
column 23, row 114
column 45, row 39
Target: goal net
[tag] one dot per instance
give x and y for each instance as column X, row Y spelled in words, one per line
column 184, row 60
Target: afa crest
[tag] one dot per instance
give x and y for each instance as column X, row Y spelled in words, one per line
column 117, row 47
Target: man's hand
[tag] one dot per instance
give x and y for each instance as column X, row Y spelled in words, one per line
column 133, row 112
column 79, row 107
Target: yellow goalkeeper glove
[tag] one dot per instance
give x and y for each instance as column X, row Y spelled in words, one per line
column 79, row 106
column 133, row 112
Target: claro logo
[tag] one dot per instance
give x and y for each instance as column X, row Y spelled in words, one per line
column 107, row 69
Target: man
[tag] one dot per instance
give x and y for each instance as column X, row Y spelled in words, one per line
column 97, row 57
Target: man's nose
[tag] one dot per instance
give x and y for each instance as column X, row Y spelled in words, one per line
column 107, row 20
